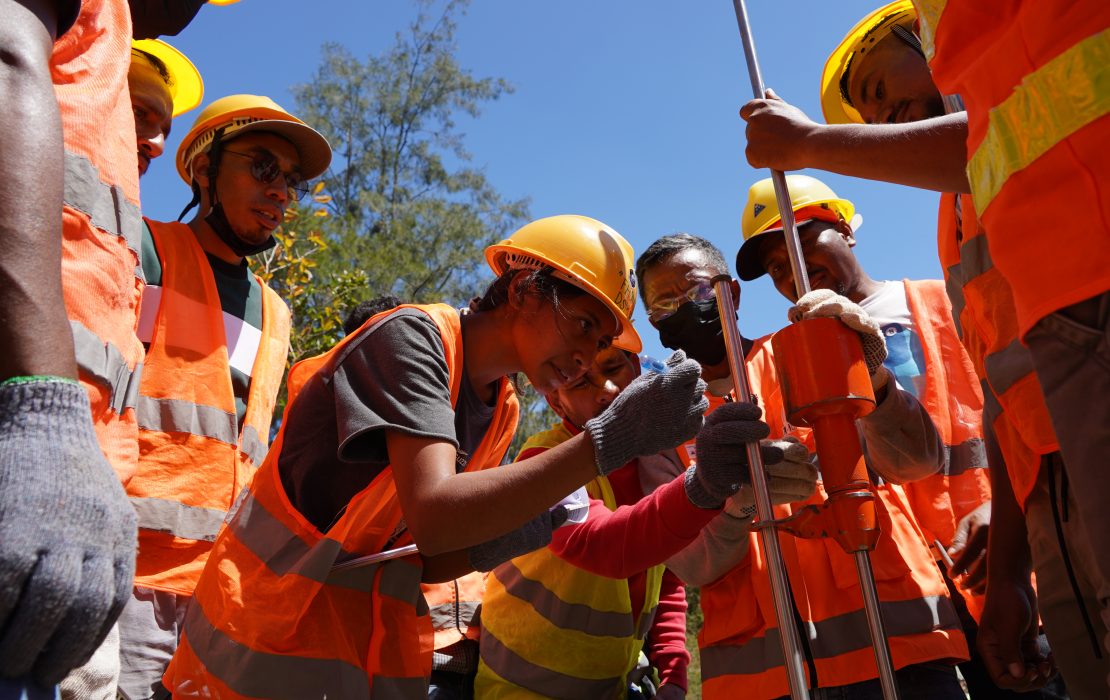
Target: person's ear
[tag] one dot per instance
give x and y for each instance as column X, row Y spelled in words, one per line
column 846, row 232
column 734, row 284
column 556, row 405
column 200, row 170
column 518, row 293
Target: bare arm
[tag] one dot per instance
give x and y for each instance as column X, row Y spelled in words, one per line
column 34, row 330
column 446, row 511
column 900, row 440
column 930, row 154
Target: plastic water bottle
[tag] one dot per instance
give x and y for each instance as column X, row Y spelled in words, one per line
column 650, row 364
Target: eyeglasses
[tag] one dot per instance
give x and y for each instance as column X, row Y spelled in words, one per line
column 665, row 308
column 265, row 169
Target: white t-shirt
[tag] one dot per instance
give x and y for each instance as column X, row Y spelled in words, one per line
column 905, row 355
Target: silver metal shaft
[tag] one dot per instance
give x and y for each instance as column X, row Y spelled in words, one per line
column 377, row 558
column 782, row 193
column 768, row 537
column 875, row 624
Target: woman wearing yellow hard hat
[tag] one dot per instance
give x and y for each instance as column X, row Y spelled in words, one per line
column 387, row 441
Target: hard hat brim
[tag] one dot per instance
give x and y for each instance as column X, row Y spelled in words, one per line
column 629, row 338
column 835, row 109
column 188, row 86
column 312, row 148
column 748, row 264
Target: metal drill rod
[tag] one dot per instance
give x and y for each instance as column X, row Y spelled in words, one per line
column 377, row 558
column 875, row 622
column 780, row 584
column 782, row 193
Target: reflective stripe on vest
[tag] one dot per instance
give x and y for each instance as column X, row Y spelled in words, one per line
column 552, row 629
column 178, row 416
column 187, row 522
column 970, row 454
column 271, row 589
column 106, row 363
column 830, row 638
column 928, row 15
column 1061, row 97
column 105, row 205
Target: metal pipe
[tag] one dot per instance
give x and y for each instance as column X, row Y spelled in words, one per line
column 875, row 624
column 768, row 536
column 782, row 193
column 377, row 558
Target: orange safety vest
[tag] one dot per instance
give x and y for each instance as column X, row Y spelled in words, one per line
column 101, row 225
column 454, row 607
column 741, row 654
column 270, row 619
column 193, row 458
column 954, row 401
column 983, row 310
column 1035, row 76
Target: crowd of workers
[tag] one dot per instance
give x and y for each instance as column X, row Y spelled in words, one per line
column 154, row 541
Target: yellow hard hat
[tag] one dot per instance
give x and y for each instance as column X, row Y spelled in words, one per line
column 240, row 114
column 584, row 252
column 222, row 2
column 809, row 198
column 869, row 31
column 185, row 84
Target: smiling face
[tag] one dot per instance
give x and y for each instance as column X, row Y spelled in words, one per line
column 253, row 208
column 556, row 342
column 891, row 84
column 827, row 249
column 153, row 108
column 612, row 370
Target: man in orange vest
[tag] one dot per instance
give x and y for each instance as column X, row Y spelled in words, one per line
column 739, row 652
column 70, row 298
column 217, row 340
column 925, row 148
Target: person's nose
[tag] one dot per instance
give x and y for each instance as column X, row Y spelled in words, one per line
column 153, row 145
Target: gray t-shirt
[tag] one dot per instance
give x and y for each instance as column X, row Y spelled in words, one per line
column 392, row 377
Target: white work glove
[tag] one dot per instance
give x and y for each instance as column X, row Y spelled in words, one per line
column 791, row 480
column 825, row 303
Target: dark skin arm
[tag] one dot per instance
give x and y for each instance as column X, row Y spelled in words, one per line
column 446, row 512
column 930, row 154
column 151, row 19
column 446, row 567
column 1008, row 629
column 34, row 330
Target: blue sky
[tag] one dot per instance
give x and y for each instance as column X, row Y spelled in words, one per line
column 624, row 111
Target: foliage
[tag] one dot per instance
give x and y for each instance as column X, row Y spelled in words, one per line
column 693, row 627
column 407, row 208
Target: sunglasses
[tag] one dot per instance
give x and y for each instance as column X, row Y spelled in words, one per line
column 665, row 308
column 265, row 169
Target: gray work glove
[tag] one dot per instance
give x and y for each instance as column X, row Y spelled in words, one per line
column 67, row 532
column 722, row 462
column 825, row 303
column 655, row 412
column 529, row 537
column 789, row 480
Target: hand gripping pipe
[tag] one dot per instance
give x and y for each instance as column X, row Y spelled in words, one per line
column 849, row 513
column 768, row 538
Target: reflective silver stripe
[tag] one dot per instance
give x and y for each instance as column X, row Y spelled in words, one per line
column 646, row 621
column 969, row 454
column 106, row 363
column 178, row 519
column 252, row 445
column 954, row 285
column 261, row 674
column 386, row 688
column 106, row 205
column 544, row 681
column 975, row 256
column 454, row 615
column 285, row 553
column 401, row 580
column 1007, row 366
column 179, row 416
column 830, row 638
column 568, row 616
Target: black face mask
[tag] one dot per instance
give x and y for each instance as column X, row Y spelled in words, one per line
column 695, row 328
column 219, row 223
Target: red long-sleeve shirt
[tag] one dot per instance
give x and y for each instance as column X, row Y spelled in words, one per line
column 642, row 532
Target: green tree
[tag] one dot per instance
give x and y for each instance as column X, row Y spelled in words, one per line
column 408, row 208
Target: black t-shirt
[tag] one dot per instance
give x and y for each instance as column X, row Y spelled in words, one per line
column 392, row 377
